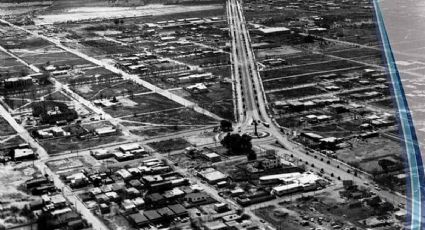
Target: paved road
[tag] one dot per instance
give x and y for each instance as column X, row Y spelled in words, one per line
column 245, row 69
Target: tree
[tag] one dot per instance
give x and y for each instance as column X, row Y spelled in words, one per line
column 385, row 164
column 226, row 126
column 252, row 156
column 237, row 144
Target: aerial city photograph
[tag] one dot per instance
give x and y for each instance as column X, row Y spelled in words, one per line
column 203, row 114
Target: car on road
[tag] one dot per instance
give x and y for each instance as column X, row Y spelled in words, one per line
column 266, row 124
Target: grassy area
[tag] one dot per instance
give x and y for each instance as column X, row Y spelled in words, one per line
column 178, row 116
column 8, row 141
column 169, row 145
column 72, row 143
column 289, row 82
column 295, row 70
column 218, row 100
column 294, row 93
column 5, row 128
column 109, row 90
column 385, row 104
column 153, row 131
column 366, row 153
column 141, row 104
column 102, row 46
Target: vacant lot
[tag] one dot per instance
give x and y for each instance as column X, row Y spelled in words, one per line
column 329, row 130
column 169, row 145
column 218, row 100
column 310, row 68
column 5, row 128
column 279, row 51
column 10, row 141
column 40, row 57
column 141, row 104
column 59, row 145
column 294, row 93
column 166, row 122
column 109, row 90
column 289, row 82
column 178, row 116
column 366, row 153
column 356, row 52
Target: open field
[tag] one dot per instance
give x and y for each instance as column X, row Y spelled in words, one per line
column 366, row 153
column 60, row 145
column 104, row 47
column 52, row 58
column 177, row 116
column 169, row 145
column 141, row 104
column 105, row 90
column 5, row 128
column 217, row 100
column 331, row 130
column 289, row 82
column 166, row 122
column 314, row 67
column 356, row 52
column 278, row 51
column 11, row 141
column 294, row 93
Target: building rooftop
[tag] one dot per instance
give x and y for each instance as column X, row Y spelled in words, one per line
column 270, row 30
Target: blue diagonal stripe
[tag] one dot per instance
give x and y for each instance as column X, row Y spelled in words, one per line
column 414, row 183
